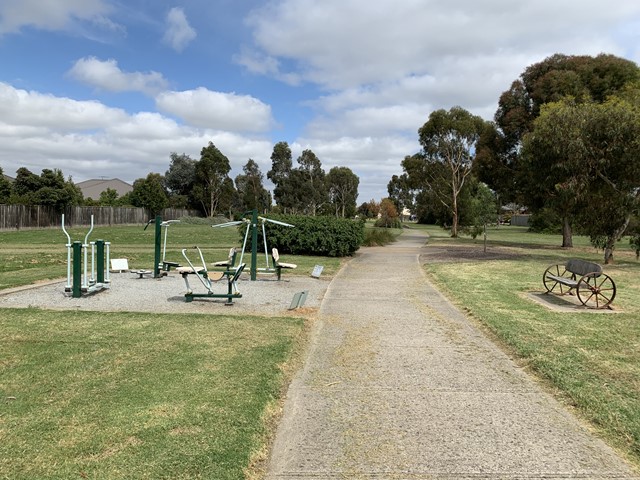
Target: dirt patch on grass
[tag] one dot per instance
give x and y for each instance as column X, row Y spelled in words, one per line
column 468, row 253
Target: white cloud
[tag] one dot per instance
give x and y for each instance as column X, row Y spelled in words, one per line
column 260, row 64
column 33, row 109
column 51, row 14
column 90, row 139
column 179, row 33
column 346, row 43
column 216, row 110
column 384, row 66
column 375, row 159
column 106, row 75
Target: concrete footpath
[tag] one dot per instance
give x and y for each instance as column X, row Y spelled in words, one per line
column 398, row 384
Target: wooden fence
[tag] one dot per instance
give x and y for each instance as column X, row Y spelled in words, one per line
column 15, row 217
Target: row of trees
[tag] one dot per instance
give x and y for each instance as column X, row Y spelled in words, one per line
column 49, row 188
column 306, row 189
column 205, row 185
column 565, row 142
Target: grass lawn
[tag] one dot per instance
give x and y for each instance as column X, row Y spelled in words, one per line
column 29, row 256
column 128, row 395
column 134, row 395
column 593, row 359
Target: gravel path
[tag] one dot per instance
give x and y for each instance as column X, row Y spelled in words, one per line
column 128, row 292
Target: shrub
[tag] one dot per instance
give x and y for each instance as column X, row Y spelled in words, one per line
column 545, row 221
column 374, row 237
column 388, row 222
column 320, row 235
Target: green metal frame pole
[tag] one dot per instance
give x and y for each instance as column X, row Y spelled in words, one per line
column 77, row 270
column 254, row 244
column 156, row 265
column 100, row 261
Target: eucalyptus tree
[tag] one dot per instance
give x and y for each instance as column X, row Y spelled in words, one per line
column 251, row 191
column 401, row 193
column 449, row 140
column 581, row 78
column 342, row 185
column 211, row 175
column 150, row 193
column 311, row 189
column 582, row 160
column 280, row 175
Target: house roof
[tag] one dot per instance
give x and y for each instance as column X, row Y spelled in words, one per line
column 94, row 187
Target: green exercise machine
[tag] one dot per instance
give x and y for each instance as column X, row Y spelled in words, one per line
column 207, row 279
column 79, row 282
column 252, row 226
column 161, row 265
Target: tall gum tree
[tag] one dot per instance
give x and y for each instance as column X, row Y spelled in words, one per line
column 449, row 138
column 212, row 178
column 343, row 184
column 280, row 175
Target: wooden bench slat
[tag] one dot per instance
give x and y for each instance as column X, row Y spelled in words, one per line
column 564, row 280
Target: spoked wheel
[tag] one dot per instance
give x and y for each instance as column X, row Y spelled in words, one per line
column 596, row 290
column 553, row 286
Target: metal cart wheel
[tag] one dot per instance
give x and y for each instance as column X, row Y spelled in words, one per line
column 553, row 286
column 596, row 290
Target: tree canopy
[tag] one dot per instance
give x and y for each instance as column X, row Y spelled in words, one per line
column 449, row 140
column 149, row 193
column 251, row 191
column 583, row 161
column 342, row 185
column 500, row 163
column 49, row 189
column 212, row 179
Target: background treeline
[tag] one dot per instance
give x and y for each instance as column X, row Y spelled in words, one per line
column 205, row 185
column 564, row 144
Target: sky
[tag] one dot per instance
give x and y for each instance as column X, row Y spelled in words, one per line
column 110, row 88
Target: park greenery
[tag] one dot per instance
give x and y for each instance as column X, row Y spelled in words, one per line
column 124, row 395
column 563, row 145
column 589, row 359
column 204, row 185
column 315, row 235
column 160, row 409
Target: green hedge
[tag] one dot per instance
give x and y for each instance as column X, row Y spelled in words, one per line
column 321, row 236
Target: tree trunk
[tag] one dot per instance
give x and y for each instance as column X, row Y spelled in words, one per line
column 612, row 239
column 608, row 250
column 454, row 210
column 567, row 234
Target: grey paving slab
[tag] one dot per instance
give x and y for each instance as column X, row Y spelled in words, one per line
column 399, row 384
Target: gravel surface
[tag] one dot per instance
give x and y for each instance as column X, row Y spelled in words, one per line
column 265, row 296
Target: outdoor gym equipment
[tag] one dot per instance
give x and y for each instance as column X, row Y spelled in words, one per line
column 207, row 279
column 252, row 225
column 77, row 281
column 161, row 264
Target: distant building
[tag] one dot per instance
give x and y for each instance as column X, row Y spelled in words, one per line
column 93, row 188
column 8, row 178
